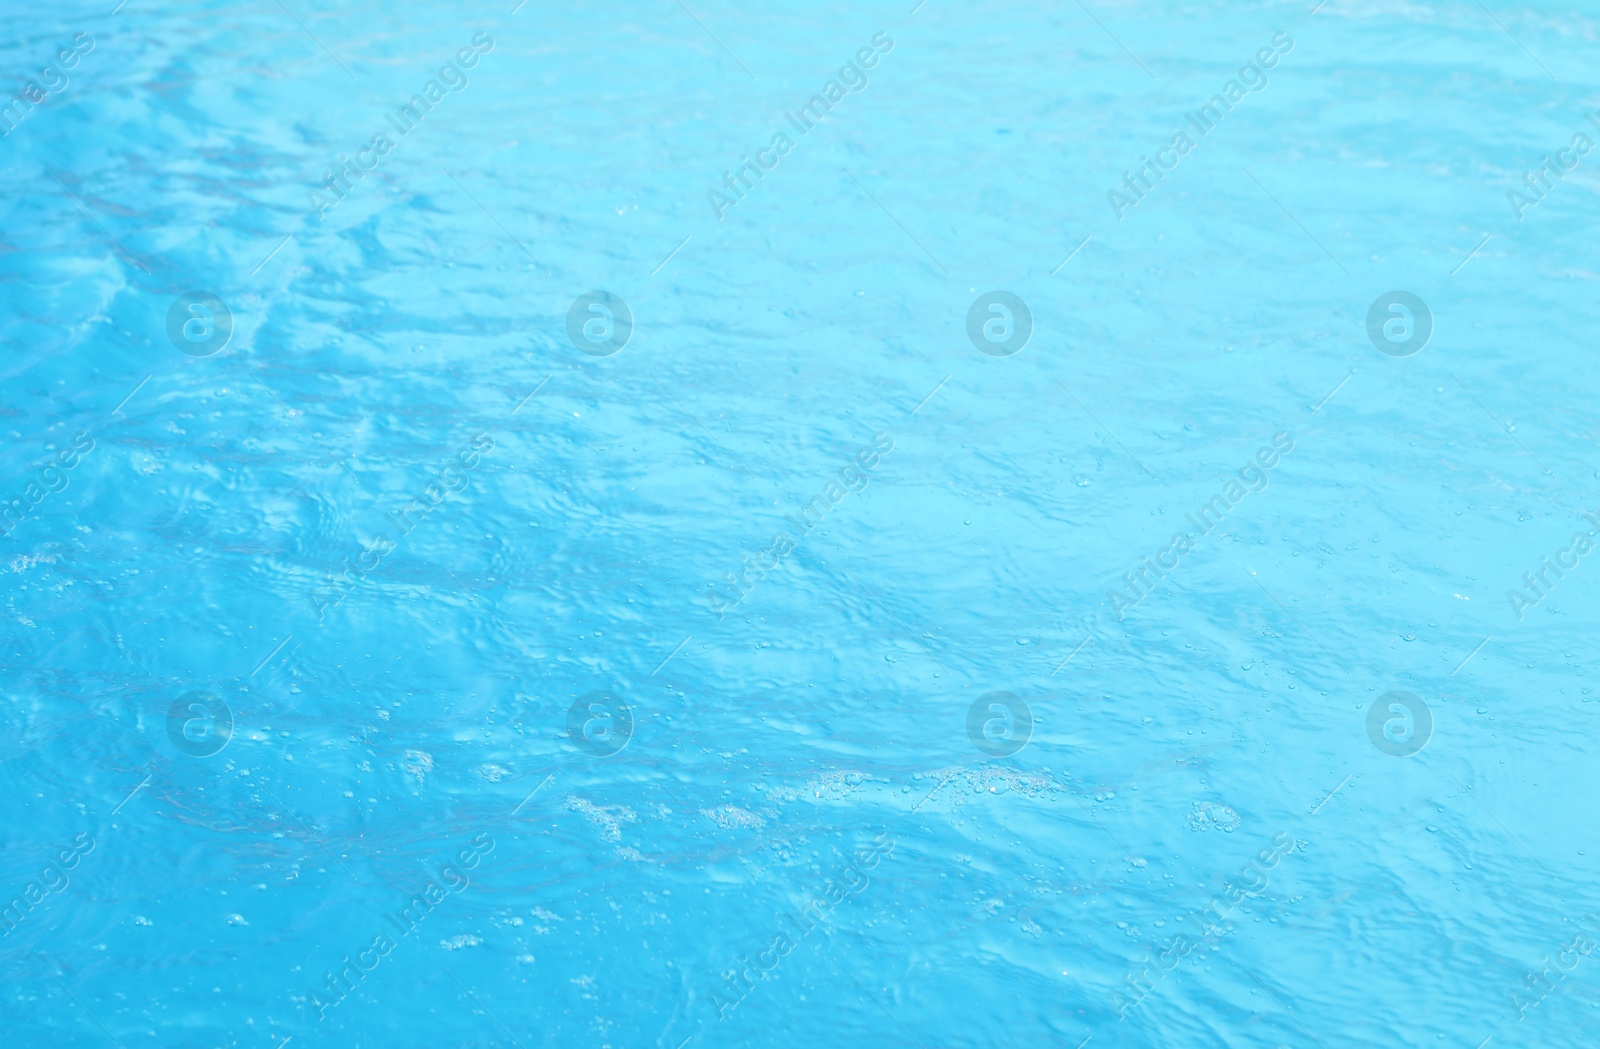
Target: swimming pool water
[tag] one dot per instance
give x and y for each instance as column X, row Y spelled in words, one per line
column 690, row 525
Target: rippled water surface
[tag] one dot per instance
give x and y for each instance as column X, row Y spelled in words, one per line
column 693, row 524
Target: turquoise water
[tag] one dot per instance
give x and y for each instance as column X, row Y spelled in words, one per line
column 678, row 525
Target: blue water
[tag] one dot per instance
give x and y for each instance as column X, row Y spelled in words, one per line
column 548, row 583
